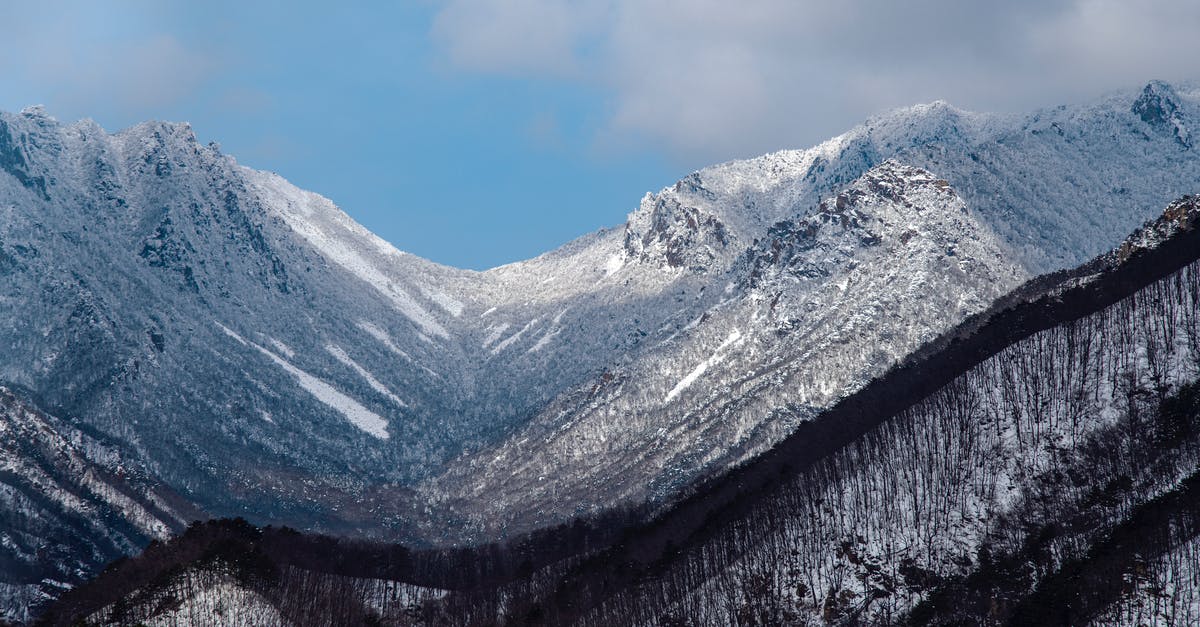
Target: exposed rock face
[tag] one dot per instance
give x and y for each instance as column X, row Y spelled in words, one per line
column 665, row 231
column 1159, row 106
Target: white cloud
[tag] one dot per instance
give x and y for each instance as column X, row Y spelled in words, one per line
column 1098, row 42
column 713, row 80
column 521, row 37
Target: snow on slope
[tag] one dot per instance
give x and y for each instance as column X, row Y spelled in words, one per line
column 734, row 337
column 358, row 415
column 1053, row 189
column 341, row 356
column 994, row 494
column 1059, row 186
column 1018, row 441
column 335, row 235
column 1165, row 593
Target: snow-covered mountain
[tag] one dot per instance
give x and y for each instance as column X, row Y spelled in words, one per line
column 808, row 314
column 1037, row 465
column 780, row 326
column 255, row 350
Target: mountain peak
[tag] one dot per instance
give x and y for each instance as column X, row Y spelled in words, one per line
column 903, row 212
column 159, row 129
column 1160, row 107
column 36, row 111
column 677, row 234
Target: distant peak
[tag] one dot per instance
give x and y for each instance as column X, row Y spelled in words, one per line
column 160, row 131
column 1159, row 106
column 35, row 111
column 1159, row 87
column 935, row 109
column 1158, row 99
column 936, row 121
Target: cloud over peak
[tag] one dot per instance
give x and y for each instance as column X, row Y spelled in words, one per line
column 713, row 80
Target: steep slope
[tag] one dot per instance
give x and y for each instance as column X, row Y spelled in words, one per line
column 1038, row 463
column 124, row 272
column 1034, row 453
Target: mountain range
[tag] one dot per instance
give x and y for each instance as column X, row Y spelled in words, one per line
column 1036, row 465
column 190, row 338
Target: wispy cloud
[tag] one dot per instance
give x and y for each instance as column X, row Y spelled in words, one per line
column 711, row 79
column 519, row 37
column 102, row 60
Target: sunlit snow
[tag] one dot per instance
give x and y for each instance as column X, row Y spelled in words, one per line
column 341, row 356
column 716, row 358
column 358, row 415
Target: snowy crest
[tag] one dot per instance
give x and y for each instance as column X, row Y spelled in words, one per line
column 666, row 231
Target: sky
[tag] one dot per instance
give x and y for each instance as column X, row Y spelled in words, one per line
column 481, row 132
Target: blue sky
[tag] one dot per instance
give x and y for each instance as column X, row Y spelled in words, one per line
column 479, row 132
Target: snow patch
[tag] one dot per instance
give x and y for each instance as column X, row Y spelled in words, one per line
column 283, row 348
column 226, row 602
column 447, row 302
column 359, row 416
column 513, row 338
column 494, row 334
column 613, row 264
column 383, row 338
column 717, row 356
column 550, row 334
column 232, row 334
column 345, row 359
column 543, row 341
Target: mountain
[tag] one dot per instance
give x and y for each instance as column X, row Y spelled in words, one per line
column 247, row 346
column 811, row 312
column 757, row 352
column 1037, row 464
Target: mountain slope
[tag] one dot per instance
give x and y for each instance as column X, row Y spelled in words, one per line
column 1054, row 188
